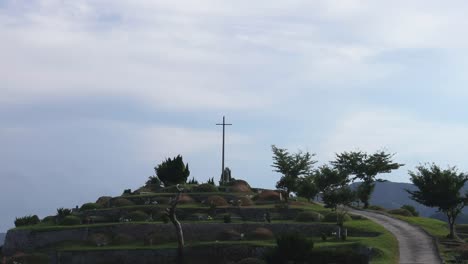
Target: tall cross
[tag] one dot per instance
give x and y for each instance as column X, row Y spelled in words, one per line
column 222, row 162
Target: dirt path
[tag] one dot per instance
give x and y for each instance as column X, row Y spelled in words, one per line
column 414, row 244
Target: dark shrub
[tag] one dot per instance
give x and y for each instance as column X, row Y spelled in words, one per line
column 120, row 202
column 62, row 212
column 290, row 247
column 377, row 208
column 228, row 235
column 35, row 258
column 90, row 206
column 261, row 233
column 216, row 200
column 332, row 217
column 138, row 216
column 99, row 239
column 49, row 220
column 70, row 220
column 121, row 239
column 27, row 220
column 309, row 216
column 400, row 211
column 104, row 201
column 165, row 218
column 100, row 219
column 205, row 187
column 251, row 261
column 411, row 209
column 227, row 218
column 127, row 192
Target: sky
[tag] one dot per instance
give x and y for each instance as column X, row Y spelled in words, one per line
column 95, row 93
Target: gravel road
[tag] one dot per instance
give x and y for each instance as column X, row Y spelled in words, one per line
column 415, row 245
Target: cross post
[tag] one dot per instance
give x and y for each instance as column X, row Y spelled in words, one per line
column 222, row 160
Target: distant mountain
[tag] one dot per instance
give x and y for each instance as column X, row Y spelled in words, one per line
column 2, row 238
column 393, row 195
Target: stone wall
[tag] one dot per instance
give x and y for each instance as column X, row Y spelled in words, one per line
column 31, row 240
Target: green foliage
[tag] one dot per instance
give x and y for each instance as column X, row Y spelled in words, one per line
column 290, row 247
column 211, row 181
column 153, row 183
column 251, row 261
column 377, row 208
column 227, row 218
column 332, row 198
column 307, row 188
column 103, row 201
column 193, row 181
column 36, row 258
column 205, row 187
column 333, row 217
column 90, row 206
column 441, row 189
column 365, row 167
column 70, row 220
column 127, row 192
column 173, row 171
column 309, row 216
column 138, row 216
column 49, row 220
column 292, row 166
column 411, row 209
column 63, row 212
column 120, row 202
column 400, row 211
column 27, row 220
column 165, row 218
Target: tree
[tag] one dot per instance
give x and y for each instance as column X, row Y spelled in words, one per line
column 292, row 166
column 365, row 167
column 171, row 213
column 440, row 188
column 336, row 193
column 307, row 187
column 172, row 171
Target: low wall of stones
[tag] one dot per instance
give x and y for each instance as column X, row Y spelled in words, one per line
column 217, row 254
column 31, row 240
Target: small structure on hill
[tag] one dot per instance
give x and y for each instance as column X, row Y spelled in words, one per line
column 225, row 176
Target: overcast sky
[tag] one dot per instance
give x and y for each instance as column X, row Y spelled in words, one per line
column 94, row 94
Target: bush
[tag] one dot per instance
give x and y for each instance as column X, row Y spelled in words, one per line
column 62, row 212
column 49, row 220
column 70, row 220
column 401, row 211
column 90, row 206
column 120, row 202
column 121, row 239
column 290, row 247
column 377, row 208
column 271, row 196
column 138, row 216
column 251, row 261
column 411, row 209
column 35, row 258
column 103, row 201
column 165, row 218
column 205, row 187
column 332, row 217
column 27, row 220
column 309, row 216
column 239, row 186
column 246, row 201
column 127, row 192
column 228, row 235
column 216, row 200
column 227, row 218
column 261, row 233
column 99, row 239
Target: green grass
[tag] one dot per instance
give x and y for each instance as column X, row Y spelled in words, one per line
column 434, row 227
column 385, row 242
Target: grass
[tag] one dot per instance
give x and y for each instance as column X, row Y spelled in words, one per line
column 434, row 227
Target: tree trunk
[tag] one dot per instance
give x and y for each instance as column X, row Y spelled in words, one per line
column 178, row 227
column 451, row 221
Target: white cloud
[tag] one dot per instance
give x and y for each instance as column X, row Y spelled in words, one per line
column 413, row 139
